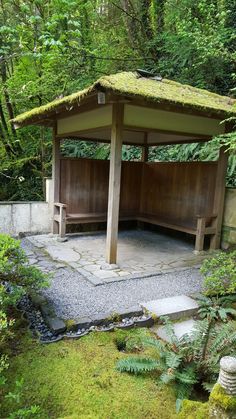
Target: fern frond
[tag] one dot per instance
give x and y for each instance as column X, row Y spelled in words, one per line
column 173, row 360
column 208, row 386
column 156, row 343
column 170, row 331
column 187, row 375
column 166, row 378
column 225, row 332
column 137, row 365
column 183, row 391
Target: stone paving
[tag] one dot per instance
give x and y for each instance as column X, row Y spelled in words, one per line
column 140, row 253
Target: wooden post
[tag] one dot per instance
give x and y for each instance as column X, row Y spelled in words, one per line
column 219, row 197
column 55, row 175
column 201, row 225
column 145, row 149
column 114, row 182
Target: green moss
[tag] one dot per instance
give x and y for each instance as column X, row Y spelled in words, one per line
column 70, row 324
column 129, row 84
column 78, row 379
column 194, row 410
column 220, row 398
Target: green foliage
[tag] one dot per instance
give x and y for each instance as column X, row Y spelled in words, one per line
column 16, row 279
column 137, row 365
column 216, row 308
column 186, row 361
column 48, row 50
column 14, row 270
column 219, row 274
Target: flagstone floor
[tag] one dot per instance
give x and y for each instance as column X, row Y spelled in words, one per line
column 140, row 253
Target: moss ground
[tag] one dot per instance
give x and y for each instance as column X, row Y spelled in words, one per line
column 77, row 379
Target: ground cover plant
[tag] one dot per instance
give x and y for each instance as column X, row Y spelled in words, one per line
column 193, row 360
column 186, row 362
column 72, row 379
column 16, row 279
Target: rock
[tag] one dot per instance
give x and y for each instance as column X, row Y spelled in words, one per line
column 56, row 325
column 144, row 321
column 83, row 323
column 62, row 239
column 101, row 319
column 109, row 266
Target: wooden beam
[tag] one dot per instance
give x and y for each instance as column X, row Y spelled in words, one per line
column 145, row 148
column 114, row 182
column 55, row 173
column 219, row 197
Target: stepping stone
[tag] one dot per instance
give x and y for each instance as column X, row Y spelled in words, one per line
column 180, row 329
column 173, row 307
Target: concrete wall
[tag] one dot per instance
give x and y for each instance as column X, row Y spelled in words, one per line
column 24, row 217
column 229, row 222
column 27, row 217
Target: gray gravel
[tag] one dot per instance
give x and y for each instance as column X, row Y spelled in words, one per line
column 72, row 296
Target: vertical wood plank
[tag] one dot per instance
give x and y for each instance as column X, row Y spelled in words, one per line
column 55, row 174
column 114, row 182
column 219, row 197
column 199, row 242
column 144, row 157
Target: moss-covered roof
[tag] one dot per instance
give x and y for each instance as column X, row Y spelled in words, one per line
column 132, row 85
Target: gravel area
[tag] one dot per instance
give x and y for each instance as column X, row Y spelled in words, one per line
column 72, row 296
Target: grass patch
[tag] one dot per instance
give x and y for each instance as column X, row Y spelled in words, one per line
column 72, row 379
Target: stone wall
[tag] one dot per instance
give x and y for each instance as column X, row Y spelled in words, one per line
column 229, row 222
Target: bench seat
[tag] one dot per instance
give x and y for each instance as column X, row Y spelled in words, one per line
column 199, row 226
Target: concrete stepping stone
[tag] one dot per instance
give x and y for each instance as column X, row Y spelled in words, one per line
column 174, row 307
column 180, row 329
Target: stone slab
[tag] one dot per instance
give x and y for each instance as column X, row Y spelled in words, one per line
column 180, row 328
column 56, row 325
column 63, row 254
column 173, row 307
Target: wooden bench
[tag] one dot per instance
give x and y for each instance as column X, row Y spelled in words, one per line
column 62, row 218
column 202, row 226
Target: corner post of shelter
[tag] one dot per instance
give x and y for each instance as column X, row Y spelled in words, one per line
column 114, row 182
column 55, row 175
column 219, row 196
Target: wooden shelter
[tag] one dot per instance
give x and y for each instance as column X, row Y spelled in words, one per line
column 127, row 108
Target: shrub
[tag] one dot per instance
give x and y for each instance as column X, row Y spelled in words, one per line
column 13, row 268
column 220, row 274
column 16, row 279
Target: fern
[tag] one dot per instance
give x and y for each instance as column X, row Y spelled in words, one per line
column 137, row 365
column 166, row 377
column 169, row 329
column 173, row 360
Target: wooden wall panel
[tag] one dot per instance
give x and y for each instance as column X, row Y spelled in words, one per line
column 84, row 185
column 130, row 193
column 178, row 191
column 172, row 192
